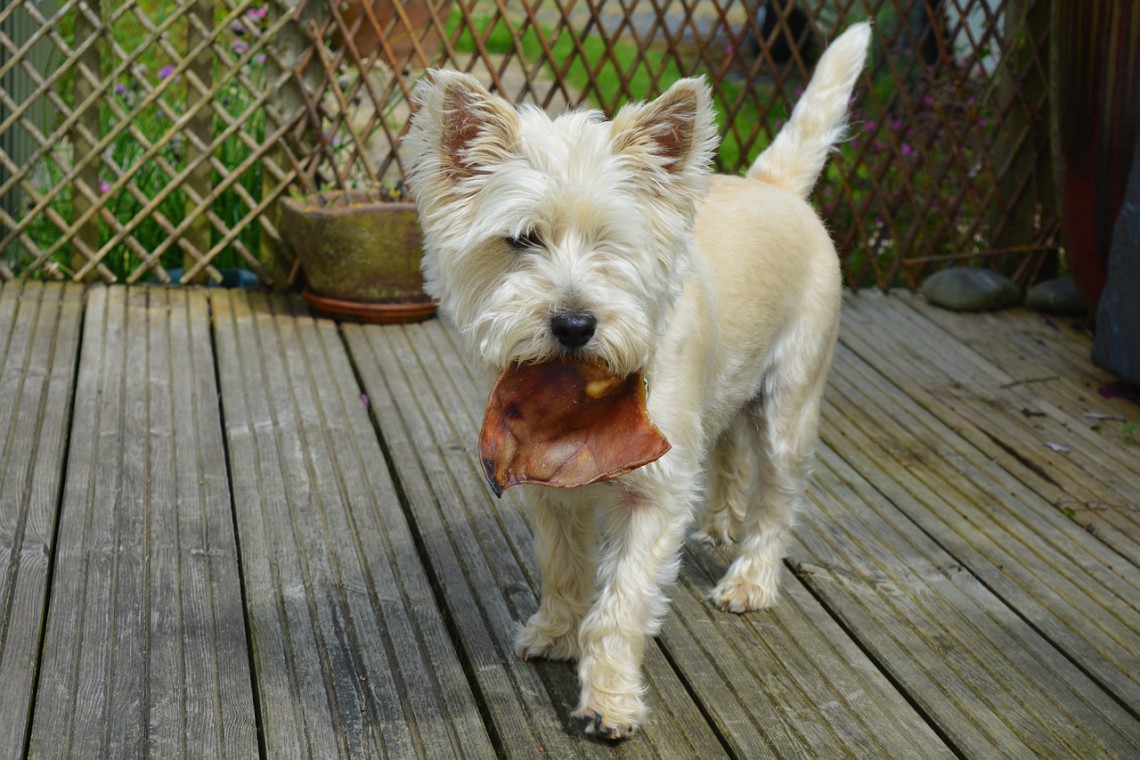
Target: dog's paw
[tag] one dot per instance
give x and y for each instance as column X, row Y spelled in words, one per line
column 718, row 528
column 538, row 640
column 740, row 596
column 612, row 718
column 713, row 536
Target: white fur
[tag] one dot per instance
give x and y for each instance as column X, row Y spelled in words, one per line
column 723, row 291
column 796, row 157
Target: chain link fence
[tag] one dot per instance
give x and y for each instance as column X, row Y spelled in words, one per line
column 152, row 139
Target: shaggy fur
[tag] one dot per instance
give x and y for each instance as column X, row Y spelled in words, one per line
column 723, row 291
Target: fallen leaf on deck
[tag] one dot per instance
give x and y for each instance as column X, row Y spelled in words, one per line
column 565, row 424
column 1099, row 416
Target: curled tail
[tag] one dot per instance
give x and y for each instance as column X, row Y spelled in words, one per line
column 796, row 157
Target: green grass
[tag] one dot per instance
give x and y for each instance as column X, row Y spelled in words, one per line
column 599, row 75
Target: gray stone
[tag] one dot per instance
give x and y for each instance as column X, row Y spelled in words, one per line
column 1116, row 346
column 964, row 289
column 1056, row 296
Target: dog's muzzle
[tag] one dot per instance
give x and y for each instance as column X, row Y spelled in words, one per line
column 573, row 329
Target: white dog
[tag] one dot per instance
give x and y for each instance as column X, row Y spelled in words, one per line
column 611, row 241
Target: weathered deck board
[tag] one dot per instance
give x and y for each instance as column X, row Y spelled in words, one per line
column 759, row 675
column 1094, row 483
column 1006, row 534
column 39, row 338
column 990, row 682
column 144, row 647
column 1044, row 351
column 754, row 678
column 351, row 654
column 1002, row 528
column 955, row 587
column 1020, row 343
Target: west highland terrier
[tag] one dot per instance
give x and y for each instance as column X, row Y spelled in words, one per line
column 612, row 243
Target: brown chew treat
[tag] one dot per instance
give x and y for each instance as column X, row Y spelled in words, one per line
column 565, row 424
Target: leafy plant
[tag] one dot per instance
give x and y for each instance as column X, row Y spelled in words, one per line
column 136, row 169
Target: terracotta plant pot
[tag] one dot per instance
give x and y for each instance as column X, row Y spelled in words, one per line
column 360, row 256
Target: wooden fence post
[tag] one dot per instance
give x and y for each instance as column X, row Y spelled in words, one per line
column 199, row 178
column 87, row 233
column 16, row 142
column 1019, row 218
column 292, row 44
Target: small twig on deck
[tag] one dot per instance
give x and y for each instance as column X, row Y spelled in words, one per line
column 1029, row 380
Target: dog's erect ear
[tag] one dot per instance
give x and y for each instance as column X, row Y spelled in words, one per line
column 676, row 132
column 470, row 128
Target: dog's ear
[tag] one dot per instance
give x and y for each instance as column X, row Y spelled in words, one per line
column 675, row 133
column 466, row 127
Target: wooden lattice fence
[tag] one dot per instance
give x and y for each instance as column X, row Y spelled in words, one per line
column 151, row 139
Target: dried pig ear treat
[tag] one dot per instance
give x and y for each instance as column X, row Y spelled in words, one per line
column 566, row 424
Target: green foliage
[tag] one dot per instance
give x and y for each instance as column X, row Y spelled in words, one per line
column 914, row 151
column 130, row 175
column 599, row 74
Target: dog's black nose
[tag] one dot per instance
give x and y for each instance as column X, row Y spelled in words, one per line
column 574, row 329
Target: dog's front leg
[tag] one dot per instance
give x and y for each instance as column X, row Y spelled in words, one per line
column 563, row 544
column 638, row 558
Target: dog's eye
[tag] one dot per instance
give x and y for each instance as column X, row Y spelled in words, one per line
column 526, row 241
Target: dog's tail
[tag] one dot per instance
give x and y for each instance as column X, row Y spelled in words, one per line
column 796, row 157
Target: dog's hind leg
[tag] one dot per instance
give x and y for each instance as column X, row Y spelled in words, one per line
column 731, row 470
column 784, row 424
column 564, row 545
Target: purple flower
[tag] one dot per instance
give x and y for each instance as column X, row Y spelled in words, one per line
column 869, row 126
column 165, row 71
column 239, row 47
column 260, row 58
column 928, row 101
column 907, row 150
column 103, row 187
column 896, row 125
column 983, row 121
column 120, row 89
column 258, row 13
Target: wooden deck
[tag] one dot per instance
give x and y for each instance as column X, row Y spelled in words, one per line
column 230, row 530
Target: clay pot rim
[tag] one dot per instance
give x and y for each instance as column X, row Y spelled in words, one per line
column 368, row 202
column 364, row 311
